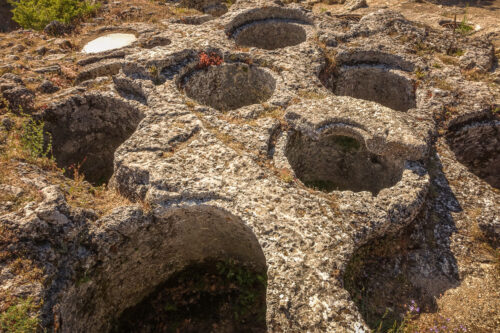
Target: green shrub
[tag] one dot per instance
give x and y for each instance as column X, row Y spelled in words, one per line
column 34, row 140
column 18, row 318
column 36, row 14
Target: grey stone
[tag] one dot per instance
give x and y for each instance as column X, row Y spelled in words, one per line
column 47, row 87
column 56, row 28
column 48, row 69
column 352, row 5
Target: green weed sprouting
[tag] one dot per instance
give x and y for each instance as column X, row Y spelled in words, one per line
column 18, row 317
column 34, row 139
column 463, row 27
column 155, row 74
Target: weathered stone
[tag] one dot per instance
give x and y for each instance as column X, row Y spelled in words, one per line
column 48, row 69
column 20, row 99
column 18, row 48
column 47, row 87
column 56, row 28
column 351, row 5
column 7, row 123
column 291, row 157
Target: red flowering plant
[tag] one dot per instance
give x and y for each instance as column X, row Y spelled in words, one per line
column 206, row 60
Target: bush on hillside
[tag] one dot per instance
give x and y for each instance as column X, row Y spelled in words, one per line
column 36, row 14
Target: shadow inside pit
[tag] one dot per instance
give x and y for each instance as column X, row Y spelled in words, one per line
column 385, row 275
column 208, row 297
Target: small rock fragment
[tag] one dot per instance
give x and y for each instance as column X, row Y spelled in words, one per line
column 56, row 28
column 47, row 87
column 351, row 5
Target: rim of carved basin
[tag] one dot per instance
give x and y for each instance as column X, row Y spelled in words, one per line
column 476, row 145
column 269, row 27
column 340, row 161
column 86, row 130
column 108, row 42
column 230, row 86
column 383, row 82
column 270, row 34
column 151, row 266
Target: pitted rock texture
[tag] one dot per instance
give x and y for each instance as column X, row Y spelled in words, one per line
column 477, row 146
column 231, row 86
column 86, row 130
column 227, row 154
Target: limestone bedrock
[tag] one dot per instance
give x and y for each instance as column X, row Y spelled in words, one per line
column 281, row 169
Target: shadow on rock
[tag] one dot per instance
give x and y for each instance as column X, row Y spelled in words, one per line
column 416, row 265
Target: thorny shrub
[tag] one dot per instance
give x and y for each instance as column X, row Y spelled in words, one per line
column 206, row 60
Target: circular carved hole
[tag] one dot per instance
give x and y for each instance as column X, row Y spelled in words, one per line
column 230, row 86
column 390, row 276
column 87, row 130
column 477, row 146
column 374, row 83
column 270, row 34
column 193, row 269
column 337, row 162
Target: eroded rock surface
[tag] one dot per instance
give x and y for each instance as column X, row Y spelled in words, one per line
column 279, row 161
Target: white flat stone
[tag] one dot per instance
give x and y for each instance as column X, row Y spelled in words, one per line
column 109, row 42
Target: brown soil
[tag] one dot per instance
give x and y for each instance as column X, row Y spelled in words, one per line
column 483, row 15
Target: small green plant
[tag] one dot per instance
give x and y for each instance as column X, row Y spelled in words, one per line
column 34, row 139
column 420, row 74
column 155, row 74
column 18, row 318
column 456, row 52
column 463, row 27
column 36, row 14
column 286, row 175
column 246, row 280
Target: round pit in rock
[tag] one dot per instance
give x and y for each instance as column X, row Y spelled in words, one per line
column 109, row 42
column 86, row 131
column 339, row 162
column 215, row 294
column 230, row 86
column 377, row 83
column 270, row 34
column 477, row 146
column 192, row 269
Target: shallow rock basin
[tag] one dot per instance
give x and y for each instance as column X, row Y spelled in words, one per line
column 109, row 42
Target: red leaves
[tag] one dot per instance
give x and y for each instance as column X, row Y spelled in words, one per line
column 207, row 60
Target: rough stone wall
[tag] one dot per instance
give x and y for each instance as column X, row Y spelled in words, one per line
column 214, row 168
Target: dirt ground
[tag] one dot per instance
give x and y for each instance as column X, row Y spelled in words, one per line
column 483, row 15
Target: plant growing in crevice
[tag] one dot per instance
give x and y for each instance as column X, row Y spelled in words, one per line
column 155, row 74
column 206, row 60
column 34, row 139
column 463, row 27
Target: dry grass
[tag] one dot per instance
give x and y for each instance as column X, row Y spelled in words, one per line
column 79, row 193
